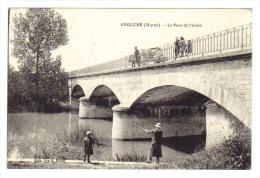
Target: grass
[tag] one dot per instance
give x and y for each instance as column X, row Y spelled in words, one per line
column 130, row 157
column 63, row 146
column 234, row 153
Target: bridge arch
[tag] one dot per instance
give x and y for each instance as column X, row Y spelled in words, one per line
column 205, row 86
column 77, row 92
column 103, row 95
column 170, row 94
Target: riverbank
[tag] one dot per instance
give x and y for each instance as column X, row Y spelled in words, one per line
column 54, row 106
column 234, row 153
column 77, row 164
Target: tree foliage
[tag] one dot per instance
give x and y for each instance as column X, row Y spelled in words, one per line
column 36, row 33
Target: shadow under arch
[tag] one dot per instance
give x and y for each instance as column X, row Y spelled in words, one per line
column 169, row 95
column 102, row 95
column 77, row 92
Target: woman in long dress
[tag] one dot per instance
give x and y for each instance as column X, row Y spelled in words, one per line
column 155, row 149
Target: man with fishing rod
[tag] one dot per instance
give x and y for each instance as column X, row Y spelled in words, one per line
column 155, row 149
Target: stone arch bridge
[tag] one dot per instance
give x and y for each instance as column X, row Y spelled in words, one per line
column 132, row 95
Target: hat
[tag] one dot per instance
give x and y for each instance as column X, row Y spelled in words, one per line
column 89, row 132
column 158, row 125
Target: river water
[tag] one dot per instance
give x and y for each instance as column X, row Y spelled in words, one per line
column 24, row 129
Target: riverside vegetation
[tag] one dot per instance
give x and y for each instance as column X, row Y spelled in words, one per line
column 233, row 153
column 39, row 83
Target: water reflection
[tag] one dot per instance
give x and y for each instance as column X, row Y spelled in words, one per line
column 22, row 137
column 186, row 144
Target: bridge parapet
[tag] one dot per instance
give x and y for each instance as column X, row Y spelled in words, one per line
column 226, row 41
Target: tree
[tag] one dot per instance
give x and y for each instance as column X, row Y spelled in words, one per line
column 14, row 88
column 36, row 34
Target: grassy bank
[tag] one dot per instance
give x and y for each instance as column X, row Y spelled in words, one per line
column 233, row 153
column 65, row 146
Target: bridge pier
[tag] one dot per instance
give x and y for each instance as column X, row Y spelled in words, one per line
column 88, row 109
column 184, row 122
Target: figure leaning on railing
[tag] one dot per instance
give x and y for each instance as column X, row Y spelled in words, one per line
column 132, row 60
column 189, row 48
column 182, row 48
column 137, row 56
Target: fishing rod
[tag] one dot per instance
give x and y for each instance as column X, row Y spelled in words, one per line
column 136, row 125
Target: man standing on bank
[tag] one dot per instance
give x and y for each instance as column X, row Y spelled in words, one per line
column 155, row 149
column 88, row 142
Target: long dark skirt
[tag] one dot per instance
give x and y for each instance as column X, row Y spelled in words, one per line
column 156, row 150
column 138, row 59
column 88, row 150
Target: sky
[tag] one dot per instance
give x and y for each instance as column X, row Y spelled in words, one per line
column 97, row 36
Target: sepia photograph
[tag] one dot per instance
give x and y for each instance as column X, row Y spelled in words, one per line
column 129, row 88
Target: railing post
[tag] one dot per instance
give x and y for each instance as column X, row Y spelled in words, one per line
column 250, row 34
column 198, row 46
column 207, row 45
column 230, row 41
column 192, row 47
column 173, row 50
column 217, row 43
column 202, row 46
column 220, row 42
column 125, row 63
column 246, row 36
column 227, row 40
column 234, row 44
column 242, row 38
column 211, row 39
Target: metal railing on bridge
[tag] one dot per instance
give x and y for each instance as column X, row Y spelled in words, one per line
column 232, row 39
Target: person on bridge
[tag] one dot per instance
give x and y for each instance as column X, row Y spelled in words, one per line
column 155, row 149
column 132, row 60
column 88, row 143
column 176, row 47
column 137, row 56
column 189, row 47
column 183, row 47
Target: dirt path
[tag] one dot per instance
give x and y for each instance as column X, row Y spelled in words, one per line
column 77, row 164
